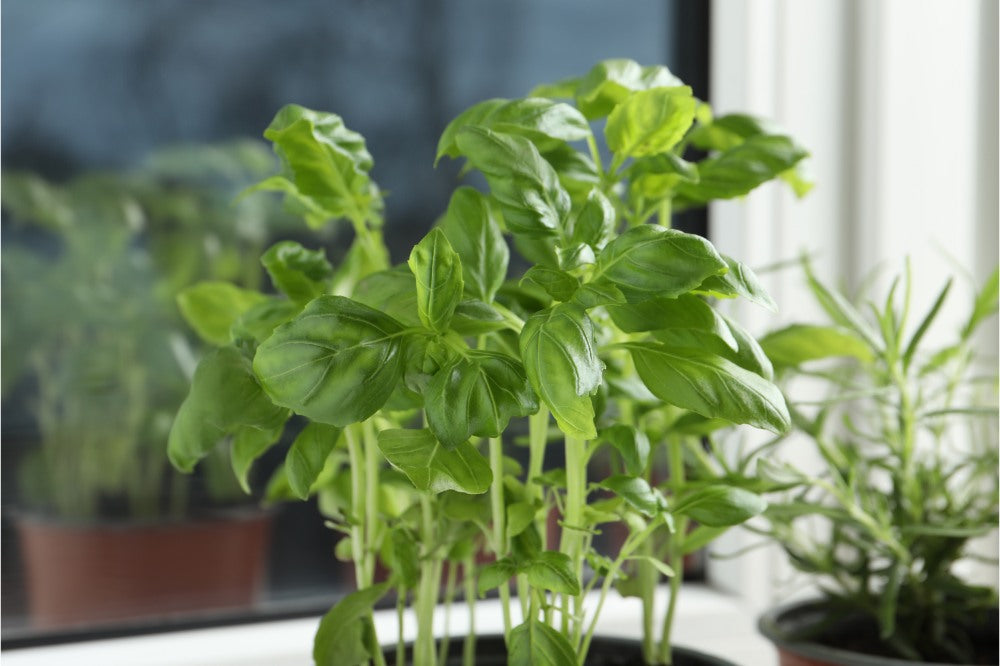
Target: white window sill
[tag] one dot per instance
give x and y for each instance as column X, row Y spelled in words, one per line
column 707, row 620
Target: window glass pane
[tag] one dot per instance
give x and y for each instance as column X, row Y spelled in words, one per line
column 128, row 130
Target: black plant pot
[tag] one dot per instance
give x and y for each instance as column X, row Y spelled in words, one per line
column 805, row 636
column 490, row 651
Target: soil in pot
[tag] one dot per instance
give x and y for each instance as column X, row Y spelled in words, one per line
column 604, row 651
column 77, row 575
column 805, row 636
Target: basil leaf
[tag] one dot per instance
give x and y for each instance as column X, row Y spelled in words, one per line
column 650, row 122
column 258, row 323
column 431, row 467
column 437, row 269
column 211, row 308
column 300, row 274
column 740, row 169
column 655, row 176
column 535, row 643
column 345, row 635
column 472, row 228
column 307, row 456
column 638, row 493
column 525, row 185
column 597, row 295
column 632, row 444
column 739, row 280
column 720, row 505
column 684, row 312
column 595, row 223
column 496, row 574
column 337, row 362
column 544, row 122
column 224, row 397
column 519, row 516
column 749, row 353
column 473, row 317
column 393, row 292
column 248, row 445
column 477, row 396
column 709, row 385
column 550, row 570
column 650, row 260
column 558, row 284
column 611, row 81
column 560, row 358
column 326, row 166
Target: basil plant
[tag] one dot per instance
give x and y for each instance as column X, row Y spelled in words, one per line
column 408, row 376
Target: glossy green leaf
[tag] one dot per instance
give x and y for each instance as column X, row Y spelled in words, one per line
column 525, row 185
column 709, row 385
column 211, row 308
column 519, row 516
column 345, row 635
column 799, row 343
column 632, row 444
column 594, row 295
column 655, row 176
column 682, row 312
column 650, row 122
column 537, row 644
column 248, row 445
column 433, row 468
column 299, row 273
column 720, row 505
column 337, row 362
column 477, row 396
column 403, row 556
column 562, row 89
column 258, row 323
column 392, row 292
column 495, row 574
column 611, row 81
column 437, row 269
column 739, row 280
column 560, row 358
column 224, row 397
column 474, row 317
column 576, row 170
column 551, row 570
column 739, row 170
column 595, row 222
column 649, row 260
column 307, row 456
column 326, row 166
column 540, row 120
column 749, row 353
column 472, row 228
column 558, row 284
column 638, row 493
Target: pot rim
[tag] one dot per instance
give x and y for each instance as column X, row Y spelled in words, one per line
column 770, row 626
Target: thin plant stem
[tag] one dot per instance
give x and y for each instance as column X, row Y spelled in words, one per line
column 449, row 596
column 400, row 611
column 498, row 507
column 675, row 556
column 571, row 543
column 469, row 573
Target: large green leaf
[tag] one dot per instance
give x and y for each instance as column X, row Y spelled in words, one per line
column 437, row 269
column 326, row 166
column 594, row 224
column 560, row 285
column 611, row 81
column 649, row 260
column 537, row 644
column 709, row 385
column 560, row 358
column 550, row 570
column 307, row 456
column 655, row 176
column 472, row 228
column 739, row 280
column 739, row 170
column 650, row 122
column 211, row 308
column 799, row 343
column 433, row 468
column 393, row 292
column 631, row 443
column 345, row 635
column 299, row 273
column 545, row 122
column 477, row 396
column 248, row 445
column 523, row 183
column 224, row 397
column 720, row 505
column 495, row 574
column 337, row 362
column 683, row 312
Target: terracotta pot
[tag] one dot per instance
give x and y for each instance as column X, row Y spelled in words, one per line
column 784, row 625
column 87, row 574
column 604, row 651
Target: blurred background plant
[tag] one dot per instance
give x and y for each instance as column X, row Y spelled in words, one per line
column 93, row 342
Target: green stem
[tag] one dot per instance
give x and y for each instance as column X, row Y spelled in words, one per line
column 371, row 496
column 423, row 648
column 675, row 554
column 647, row 577
column 400, row 612
column 665, row 212
column 576, row 498
column 498, row 507
column 449, row 596
column 469, row 571
column 595, row 154
column 356, row 455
